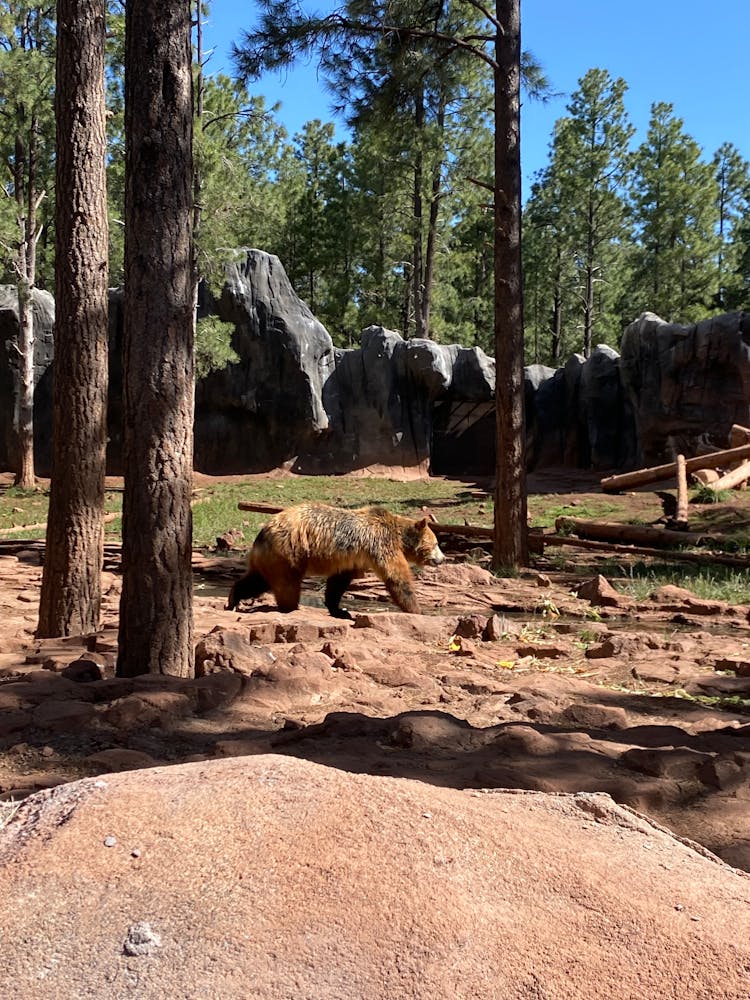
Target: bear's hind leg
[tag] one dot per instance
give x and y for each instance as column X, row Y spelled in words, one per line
column 287, row 592
column 336, row 585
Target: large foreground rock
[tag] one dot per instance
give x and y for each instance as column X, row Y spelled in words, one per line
column 268, row 877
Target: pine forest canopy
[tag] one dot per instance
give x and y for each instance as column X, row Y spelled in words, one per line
column 393, row 224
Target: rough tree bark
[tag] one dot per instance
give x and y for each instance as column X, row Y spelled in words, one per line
column 71, row 583
column 511, row 545
column 156, row 624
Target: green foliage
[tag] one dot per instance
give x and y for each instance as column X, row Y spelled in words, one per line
column 239, row 148
column 732, row 174
column 705, row 494
column 610, row 232
column 394, row 225
column 673, row 198
column 213, row 348
column 576, row 222
column 714, row 582
column 27, row 75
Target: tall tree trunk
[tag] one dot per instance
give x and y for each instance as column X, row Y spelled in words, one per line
column 510, row 545
column 25, row 440
column 198, row 181
column 71, row 584
column 432, row 228
column 156, row 623
column 556, row 326
column 24, row 184
column 588, row 302
column 417, row 222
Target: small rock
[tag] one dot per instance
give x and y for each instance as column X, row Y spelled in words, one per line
column 110, row 841
column 141, row 939
column 740, row 667
column 470, row 627
column 680, row 763
column 542, row 650
column 88, row 667
column 721, row 772
column 597, row 716
column 599, row 591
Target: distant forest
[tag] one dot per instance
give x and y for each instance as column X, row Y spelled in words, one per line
column 393, row 225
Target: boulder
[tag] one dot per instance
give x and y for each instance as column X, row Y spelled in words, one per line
column 275, row 877
column 44, row 324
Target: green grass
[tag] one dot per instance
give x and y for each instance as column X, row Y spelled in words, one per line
column 704, row 494
column 714, row 582
column 544, row 511
column 19, row 508
column 215, row 512
column 215, row 507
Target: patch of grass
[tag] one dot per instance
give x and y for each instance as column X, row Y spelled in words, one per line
column 704, row 494
column 215, row 506
column 712, row 582
column 19, row 508
column 544, row 511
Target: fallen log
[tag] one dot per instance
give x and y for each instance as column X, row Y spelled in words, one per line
column 734, row 478
column 704, row 558
column 706, row 477
column 637, row 534
column 654, row 474
column 259, row 508
column 739, row 435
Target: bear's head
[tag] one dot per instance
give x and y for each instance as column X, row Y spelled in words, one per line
column 421, row 545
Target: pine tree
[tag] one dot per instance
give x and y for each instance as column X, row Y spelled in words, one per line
column 27, row 71
column 732, row 173
column 493, row 39
column 590, row 155
column 71, row 583
column 551, row 301
column 156, row 614
column 673, row 198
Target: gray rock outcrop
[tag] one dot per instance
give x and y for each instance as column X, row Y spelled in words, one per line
column 294, row 400
column 687, row 384
column 44, row 349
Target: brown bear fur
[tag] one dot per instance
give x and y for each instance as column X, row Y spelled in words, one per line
column 313, row 539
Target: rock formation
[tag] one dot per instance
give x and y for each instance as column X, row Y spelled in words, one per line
column 44, row 324
column 687, row 384
column 294, row 400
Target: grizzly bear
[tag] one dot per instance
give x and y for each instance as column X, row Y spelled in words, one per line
column 313, row 539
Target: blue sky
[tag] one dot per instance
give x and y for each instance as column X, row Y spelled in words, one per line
column 691, row 54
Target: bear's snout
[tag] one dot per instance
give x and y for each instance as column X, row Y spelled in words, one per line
column 436, row 556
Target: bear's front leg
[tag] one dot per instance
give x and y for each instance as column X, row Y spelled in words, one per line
column 336, row 585
column 400, row 585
